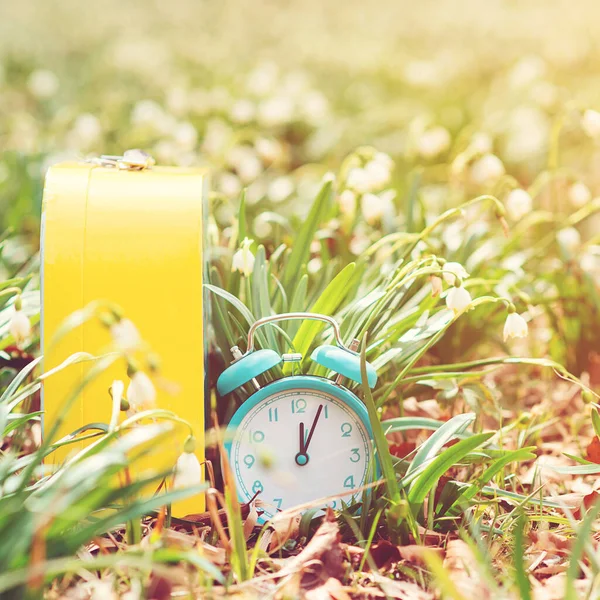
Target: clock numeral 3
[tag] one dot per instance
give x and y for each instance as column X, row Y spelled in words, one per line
column 346, row 429
column 257, row 486
column 273, row 416
column 348, row 482
column 256, row 436
column 298, row 406
column 355, row 455
column 249, row 460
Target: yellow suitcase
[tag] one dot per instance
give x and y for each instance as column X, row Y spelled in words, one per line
column 133, row 236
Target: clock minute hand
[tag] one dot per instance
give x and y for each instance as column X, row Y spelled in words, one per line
column 312, row 427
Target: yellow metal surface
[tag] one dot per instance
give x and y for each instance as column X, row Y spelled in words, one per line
column 133, row 238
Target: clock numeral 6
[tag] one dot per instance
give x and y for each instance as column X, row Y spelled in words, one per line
column 348, row 482
column 256, row 436
column 249, row 460
column 298, row 406
column 346, row 429
column 355, row 455
column 257, row 486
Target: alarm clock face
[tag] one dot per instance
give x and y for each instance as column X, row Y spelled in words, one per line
column 298, row 444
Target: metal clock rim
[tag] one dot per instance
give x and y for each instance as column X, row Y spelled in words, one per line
column 295, row 316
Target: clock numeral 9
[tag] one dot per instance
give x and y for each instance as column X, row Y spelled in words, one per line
column 348, row 482
column 298, row 406
column 355, row 455
column 249, row 460
column 256, row 436
column 257, row 486
column 346, row 429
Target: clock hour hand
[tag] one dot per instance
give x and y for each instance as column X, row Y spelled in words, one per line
column 301, row 458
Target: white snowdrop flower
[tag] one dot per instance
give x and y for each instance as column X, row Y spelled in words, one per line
column 433, row 142
column 262, row 227
column 515, row 326
column 314, row 265
column 579, row 194
column 19, row 326
column 358, row 180
column 147, row 112
column 101, row 589
column 43, row 83
column 527, row 70
column 216, row 136
column 314, row 107
column 125, row 335
column 141, row 393
column 487, row 169
column 481, row 142
column 569, row 238
column 373, row 208
column 275, row 111
column 280, row 189
column 452, row 270
column 243, row 259
column 458, row 299
column 385, row 159
column 185, row 135
column 378, row 174
column 87, row 128
column 230, row 184
column 243, row 111
column 269, row 150
column 436, row 285
column 188, row 471
column 249, row 168
column 263, row 79
column 347, row 202
column 590, row 122
column 589, row 260
column 518, row 204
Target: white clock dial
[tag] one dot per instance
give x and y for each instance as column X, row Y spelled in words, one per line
column 267, row 455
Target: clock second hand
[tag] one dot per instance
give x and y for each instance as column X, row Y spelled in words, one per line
column 302, row 456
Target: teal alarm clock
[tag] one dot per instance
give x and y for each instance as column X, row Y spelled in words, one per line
column 300, row 438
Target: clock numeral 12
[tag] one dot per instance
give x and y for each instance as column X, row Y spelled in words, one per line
column 298, row 406
column 273, row 416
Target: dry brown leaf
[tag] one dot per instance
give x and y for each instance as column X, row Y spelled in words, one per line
column 324, row 546
column 331, row 589
column 403, row 590
column 548, row 541
column 414, row 554
column 592, row 452
column 284, row 527
column 462, row 565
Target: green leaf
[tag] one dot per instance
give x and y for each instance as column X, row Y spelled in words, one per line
column 429, row 477
column 521, row 576
column 301, row 249
column 442, row 436
column 327, row 304
column 596, row 421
